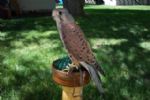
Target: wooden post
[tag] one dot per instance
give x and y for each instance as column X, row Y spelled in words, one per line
column 72, row 93
column 72, row 85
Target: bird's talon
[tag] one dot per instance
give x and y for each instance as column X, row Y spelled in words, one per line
column 65, row 70
column 77, row 67
column 67, row 67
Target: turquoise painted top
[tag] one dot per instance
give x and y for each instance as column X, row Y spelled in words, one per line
column 62, row 63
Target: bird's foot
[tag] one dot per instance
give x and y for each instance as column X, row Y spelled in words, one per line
column 66, row 69
column 73, row 66
column 70, row 68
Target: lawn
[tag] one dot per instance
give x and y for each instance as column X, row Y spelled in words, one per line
column 120, row 40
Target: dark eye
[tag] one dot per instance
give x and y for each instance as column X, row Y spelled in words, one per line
column 60, row 13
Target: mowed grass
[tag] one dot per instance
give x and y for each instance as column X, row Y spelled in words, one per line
column 120, row 40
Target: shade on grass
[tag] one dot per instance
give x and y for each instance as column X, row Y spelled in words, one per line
column 119, row 37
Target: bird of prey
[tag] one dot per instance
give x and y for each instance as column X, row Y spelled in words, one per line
column 77, row 47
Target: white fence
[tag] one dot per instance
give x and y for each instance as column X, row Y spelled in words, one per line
column 90, row 1
column 126, row 2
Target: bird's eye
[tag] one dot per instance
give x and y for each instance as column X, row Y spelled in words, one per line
column 60, row 13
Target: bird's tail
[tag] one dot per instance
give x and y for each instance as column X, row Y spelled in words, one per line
column 94, row 75
column 99, row 68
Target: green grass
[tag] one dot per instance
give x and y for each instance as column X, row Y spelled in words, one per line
column 119, row 37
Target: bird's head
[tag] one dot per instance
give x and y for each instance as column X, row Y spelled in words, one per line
column 62, row 15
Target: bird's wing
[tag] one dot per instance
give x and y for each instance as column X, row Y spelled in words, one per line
column 77, row 46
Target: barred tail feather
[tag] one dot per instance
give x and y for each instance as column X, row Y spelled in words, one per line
column 94, row 76
column 99, row 68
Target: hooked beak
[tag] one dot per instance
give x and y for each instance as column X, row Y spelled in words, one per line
column 57, row 15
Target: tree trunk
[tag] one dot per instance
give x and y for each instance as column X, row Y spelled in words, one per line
column 75, row 7
column 98, row 2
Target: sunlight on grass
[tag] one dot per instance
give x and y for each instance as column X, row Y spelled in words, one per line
column 3, row 35
column 118, row 7
column 98, row 42
column 137, row 29
column 145, row 45
column 33, row 34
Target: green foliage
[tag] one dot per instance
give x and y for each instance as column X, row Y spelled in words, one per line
column 119, row 37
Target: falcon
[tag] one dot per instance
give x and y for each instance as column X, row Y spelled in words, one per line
column 76, row 45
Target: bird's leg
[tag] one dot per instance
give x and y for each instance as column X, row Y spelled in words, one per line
column 72, row 66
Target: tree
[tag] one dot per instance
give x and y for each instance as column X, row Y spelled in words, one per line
column 99, row 2
column 75, row 7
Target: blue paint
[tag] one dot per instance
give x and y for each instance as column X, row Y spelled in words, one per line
column 62, row 63
column 60, row 1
